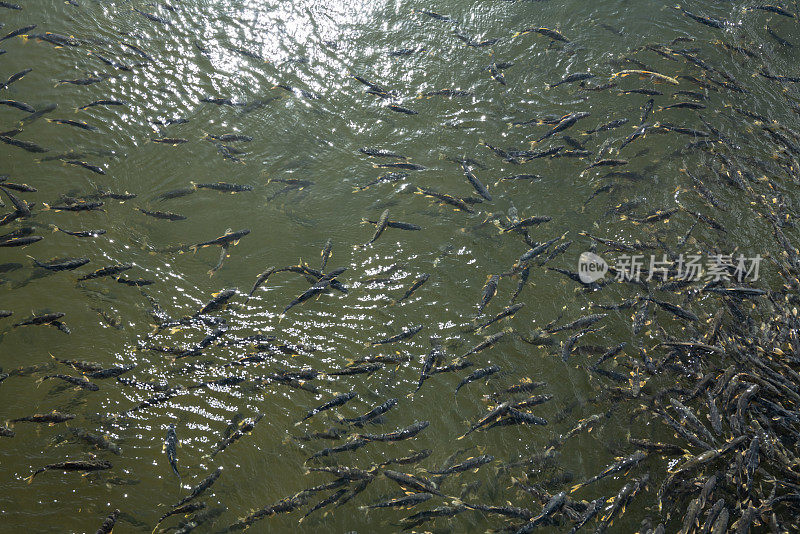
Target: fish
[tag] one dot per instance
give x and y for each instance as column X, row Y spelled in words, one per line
column 607, row 126
column 485, row 344
column 224, row 240
column 108, row 523
column 398, row 435
column 66, row 264
column 379, row 228
column 180, row 510
column 100, row 442
column 416, row 285
column 333, row 403
column 22, row 106
column 111, row 270
column 174, row 141
column 103, row 102
column 403, row 166
column 152, row 17
column 380, row 153
column 577, row 77
column 377, row 411
column 165, row 215
column 51, row 418
column 43, row 319
column 77, row 206
column 170, row 448
column 319, row 287
column 412, row 482
column 771, row 9
column 80, row 233
column 552, row 34
column 566, row 122
column 401, row 109
column 225, row 187
column 408, row 501
column 200, row 488
column 469, row 464
column 77, row 124
column 81, row 382
column 656, row 76
column 476, row 184
column 489, row 291
column 407, row 333
column 21, row 241
column 622, row 465
column 553, row 505
column 73, row 465
column 19, row 31
column 24, row 145
column 781, row 41
column 444, row 198
column 477, row 375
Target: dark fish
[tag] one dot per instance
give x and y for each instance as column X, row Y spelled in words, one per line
column 446, row 199
column 14, row 78
column 476, row 184
column 577, row 77
column 105, row 102
column 398, row 435
column 25, row 145
column 226, row 187
column 49, row 418
column 372, row 414
column 170, row 140
column 77, row 124
column 170, row 448
column 416, row 285
column 608, row 126
column 379, row 227
column 467, row 465
column 401, row 109
column 17, row 32
column 197, row 490
column 567, row 121
column 73, row 465
column 38, row 320
column 547, row 32
column 713, row 23
column 81, row 382
column 108, row 523
column 20, row 241
column 489, row 291
column 111, row 270
column 407, row 333
column 336, row 401
column 401, row 502
column 22, row 106
column 778, row 38
column 166, row 215
column 477, row 375
column 404, row 166
column 152, row 17
column 412, row 482
column 62, row 264
column 77, row 206
column 82, row 233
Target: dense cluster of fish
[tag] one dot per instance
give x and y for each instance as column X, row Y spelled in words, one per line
column 712, row 367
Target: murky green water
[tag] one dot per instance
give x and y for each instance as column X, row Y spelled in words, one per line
column 317, row 47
